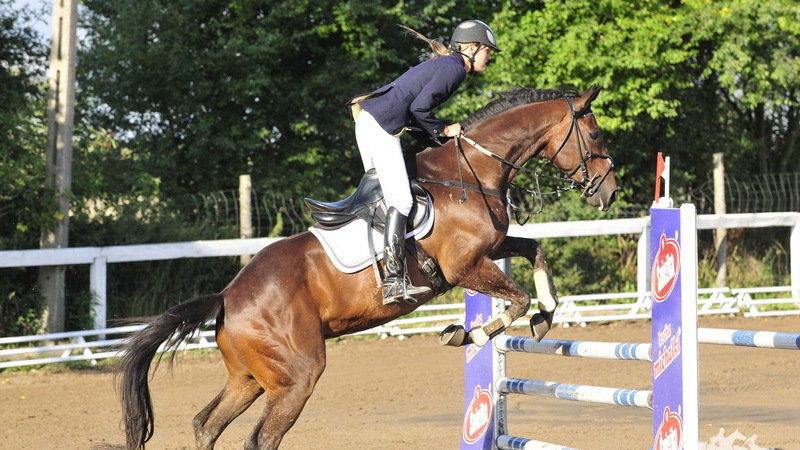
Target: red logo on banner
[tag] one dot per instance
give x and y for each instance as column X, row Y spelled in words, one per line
column 471, row 293
column 478, row 416
column 666, row 266
column 670, row 433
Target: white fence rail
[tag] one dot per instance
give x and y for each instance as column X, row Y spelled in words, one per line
column 93, row 345
column 98, row 259
column 578, row 309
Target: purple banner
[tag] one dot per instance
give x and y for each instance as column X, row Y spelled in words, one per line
column 667, row 331
column 477, row 431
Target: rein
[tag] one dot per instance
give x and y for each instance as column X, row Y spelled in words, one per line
column 569, row 181
column 537, row 192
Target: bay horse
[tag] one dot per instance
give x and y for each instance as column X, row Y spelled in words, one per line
column 273, row 318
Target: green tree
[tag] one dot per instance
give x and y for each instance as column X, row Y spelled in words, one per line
column 689, row 78
column 202, row 92
column 183, row 96
column 754, row 60
column 23, row 208
column 22, row 130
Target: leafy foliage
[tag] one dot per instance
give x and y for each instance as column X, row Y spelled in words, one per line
column 23, row 208
column 23, row 131
column 755, row 62
column 689, row 78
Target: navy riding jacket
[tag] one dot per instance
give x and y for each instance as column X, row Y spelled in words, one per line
column 407, row 103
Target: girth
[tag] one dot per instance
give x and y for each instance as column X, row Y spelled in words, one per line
column 468, row 186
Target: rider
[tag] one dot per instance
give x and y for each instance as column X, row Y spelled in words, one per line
column 406, row 104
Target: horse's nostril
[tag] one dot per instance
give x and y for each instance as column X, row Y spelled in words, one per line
column 612, row 197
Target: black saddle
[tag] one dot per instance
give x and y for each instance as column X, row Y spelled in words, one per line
column 367, row 203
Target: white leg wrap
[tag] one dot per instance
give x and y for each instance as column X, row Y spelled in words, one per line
column 547, row 301
column 505, row 317
column 479, row 337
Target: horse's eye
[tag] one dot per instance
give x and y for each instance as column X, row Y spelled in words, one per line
column 594, row 135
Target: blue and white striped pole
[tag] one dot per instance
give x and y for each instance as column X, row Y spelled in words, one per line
column 745, row 338
column 576, row 392
column 580, row 349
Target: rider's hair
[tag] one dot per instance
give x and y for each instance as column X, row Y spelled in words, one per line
column 437, row 47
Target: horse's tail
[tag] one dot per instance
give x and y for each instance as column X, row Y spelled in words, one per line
column 172, row 327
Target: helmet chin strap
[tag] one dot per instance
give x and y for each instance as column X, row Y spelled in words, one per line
column 471, row 58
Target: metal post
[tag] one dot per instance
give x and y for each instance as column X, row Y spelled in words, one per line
column 499, row 362
column 720, row 234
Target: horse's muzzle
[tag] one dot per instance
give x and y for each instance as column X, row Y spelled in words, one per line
column 605, row 195
column 607, row 204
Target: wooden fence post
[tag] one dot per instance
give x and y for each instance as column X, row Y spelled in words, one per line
column 58, row 166
column 720, row 234
column 245, row 212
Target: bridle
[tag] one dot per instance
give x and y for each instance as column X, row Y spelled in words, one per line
column 588, row 185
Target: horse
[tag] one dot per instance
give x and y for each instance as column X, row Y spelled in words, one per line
column 273, row 318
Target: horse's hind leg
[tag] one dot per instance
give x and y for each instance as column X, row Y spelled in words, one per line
column 240, row 391
column 238, row 394
column 288, row 376
column 284, row 405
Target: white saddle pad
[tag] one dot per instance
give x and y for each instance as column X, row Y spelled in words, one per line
column 348, row 246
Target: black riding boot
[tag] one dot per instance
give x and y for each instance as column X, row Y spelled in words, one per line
column 396, row 284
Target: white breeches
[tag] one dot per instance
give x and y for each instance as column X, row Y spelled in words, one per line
column 382, row 151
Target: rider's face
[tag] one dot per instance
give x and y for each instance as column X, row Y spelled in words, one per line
column 482, row 58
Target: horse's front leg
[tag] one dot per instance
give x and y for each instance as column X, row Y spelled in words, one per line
column 488, row 279
column 542, row 280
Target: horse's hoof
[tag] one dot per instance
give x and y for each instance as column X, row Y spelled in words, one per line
column 454, row 335
column 540, row 324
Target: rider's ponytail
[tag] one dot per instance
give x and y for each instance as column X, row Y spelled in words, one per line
column 437, row 47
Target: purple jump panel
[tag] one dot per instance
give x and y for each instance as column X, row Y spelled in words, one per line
column 478, row 430
column 674, row 327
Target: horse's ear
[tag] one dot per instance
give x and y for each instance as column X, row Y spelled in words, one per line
column 583, row 102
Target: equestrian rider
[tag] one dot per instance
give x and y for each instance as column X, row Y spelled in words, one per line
column 406, row 104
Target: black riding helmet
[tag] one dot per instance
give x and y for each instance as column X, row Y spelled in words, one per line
column 473, row 31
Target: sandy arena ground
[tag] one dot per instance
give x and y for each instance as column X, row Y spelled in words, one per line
column 393, row 394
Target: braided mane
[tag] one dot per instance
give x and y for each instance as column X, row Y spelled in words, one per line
column 515, row 97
